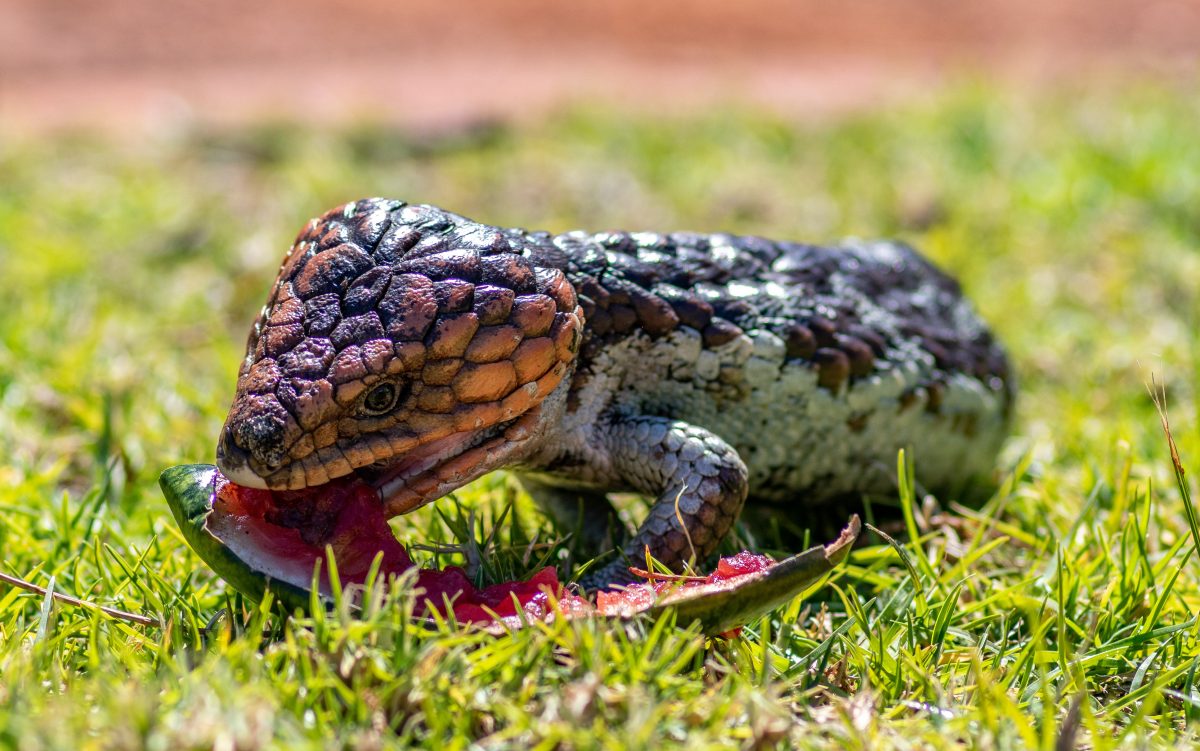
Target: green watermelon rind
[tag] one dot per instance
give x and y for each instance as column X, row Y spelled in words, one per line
column 190, row 491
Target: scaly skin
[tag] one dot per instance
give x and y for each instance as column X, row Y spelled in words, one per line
column 423, row 350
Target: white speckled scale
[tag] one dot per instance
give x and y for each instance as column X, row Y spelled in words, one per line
column 792, row 435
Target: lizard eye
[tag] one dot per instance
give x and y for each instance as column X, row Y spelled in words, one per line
column 380, row 399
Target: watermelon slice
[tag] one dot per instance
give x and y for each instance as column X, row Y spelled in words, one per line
column 261, row 540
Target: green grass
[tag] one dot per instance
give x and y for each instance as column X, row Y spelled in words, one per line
column 1059, row 614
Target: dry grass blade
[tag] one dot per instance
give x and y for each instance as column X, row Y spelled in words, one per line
column 1158, row 393
column 141, row 620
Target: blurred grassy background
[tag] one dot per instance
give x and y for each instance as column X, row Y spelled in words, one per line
column 131, row 270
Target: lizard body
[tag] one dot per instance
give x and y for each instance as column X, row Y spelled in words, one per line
column 421, row 350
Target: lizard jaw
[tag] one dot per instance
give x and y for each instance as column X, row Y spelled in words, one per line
column 424, row 473
column 429, row 472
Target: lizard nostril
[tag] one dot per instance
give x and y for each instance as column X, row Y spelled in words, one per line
column 236, row 463
column 229, row 454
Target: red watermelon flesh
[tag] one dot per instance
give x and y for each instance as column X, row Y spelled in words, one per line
column 286, row 532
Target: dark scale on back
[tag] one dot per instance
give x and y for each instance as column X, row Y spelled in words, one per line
column 422, row 350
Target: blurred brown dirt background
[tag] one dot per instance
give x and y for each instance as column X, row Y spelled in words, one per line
column 134, row 66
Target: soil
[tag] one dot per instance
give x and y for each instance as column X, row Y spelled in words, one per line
column 137, row 65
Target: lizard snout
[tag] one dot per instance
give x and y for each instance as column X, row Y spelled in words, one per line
column 241, row 456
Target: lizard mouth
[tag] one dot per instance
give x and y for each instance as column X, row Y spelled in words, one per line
column 320, row 514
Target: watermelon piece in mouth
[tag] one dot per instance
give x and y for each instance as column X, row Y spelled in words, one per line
column 261, row 540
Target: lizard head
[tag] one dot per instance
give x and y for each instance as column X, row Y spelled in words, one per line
column 404, row 344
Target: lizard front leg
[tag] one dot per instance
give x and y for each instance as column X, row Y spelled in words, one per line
column 699, row 483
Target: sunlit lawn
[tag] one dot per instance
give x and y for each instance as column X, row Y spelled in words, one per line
column 1060, row 612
